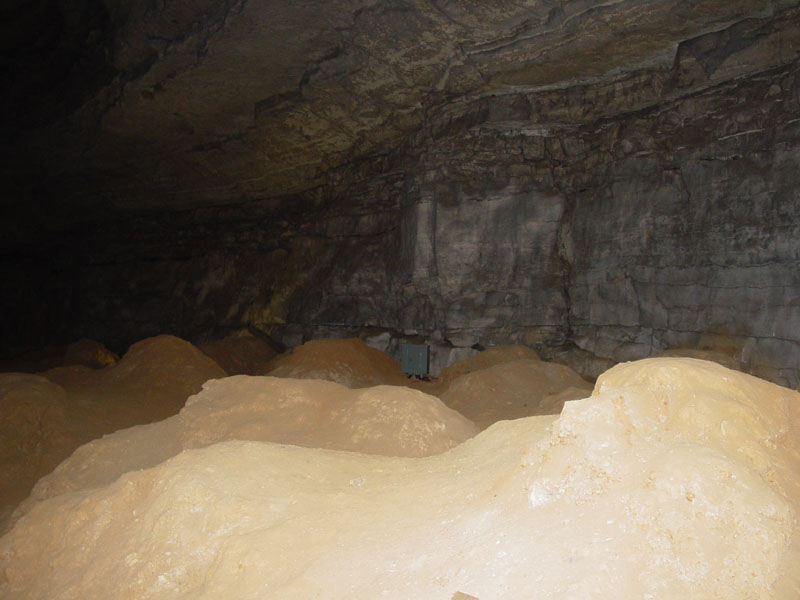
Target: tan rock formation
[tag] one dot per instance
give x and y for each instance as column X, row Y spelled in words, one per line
column 239, row 354
column 89, row 353
column 676, row 479
column 33, row 430
column 486, row 359
column 513, row 390
column 150, row 383
column 349, row 362
column 385, row 420
column 44, row 418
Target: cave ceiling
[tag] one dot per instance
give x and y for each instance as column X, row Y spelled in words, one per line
column 138, row 106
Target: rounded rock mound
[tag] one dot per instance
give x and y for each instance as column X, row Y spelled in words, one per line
column 485, row 359
column 383, row 420
column 677, row 478
column 513, row 390
column 349, row 362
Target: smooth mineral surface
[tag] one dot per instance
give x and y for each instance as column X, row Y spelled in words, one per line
column 44, row 417
column 515, row 389
column 384, row 420
column 349, row 362
column 677, row 478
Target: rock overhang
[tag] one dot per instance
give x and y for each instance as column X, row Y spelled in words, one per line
column 219, row 103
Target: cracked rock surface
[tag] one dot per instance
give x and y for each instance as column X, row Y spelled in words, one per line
column 601, row 181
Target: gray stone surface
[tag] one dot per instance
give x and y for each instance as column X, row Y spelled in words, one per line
column 601, row 181
column 670, row 218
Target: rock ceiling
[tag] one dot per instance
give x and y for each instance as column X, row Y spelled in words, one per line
column 171, row 105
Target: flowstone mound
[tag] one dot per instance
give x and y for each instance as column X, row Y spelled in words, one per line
column 513, row 390
column 239, row 354
column 387, row 420
column 349, row 362
column 636, row 492
column 150, row 382
column 44, row 418
column 33, row 428
column 90, row 354
column 746, row 418
column 384, row 420
column 484, row 360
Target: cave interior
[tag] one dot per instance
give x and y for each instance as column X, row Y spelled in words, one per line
column 598, row 181
column 226, row 224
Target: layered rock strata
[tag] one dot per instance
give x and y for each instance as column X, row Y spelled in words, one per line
column 600, row 184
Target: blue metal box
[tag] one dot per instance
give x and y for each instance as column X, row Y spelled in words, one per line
column 416, row 359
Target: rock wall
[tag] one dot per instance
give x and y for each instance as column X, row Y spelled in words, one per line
column 657, row 210
column 597, row 221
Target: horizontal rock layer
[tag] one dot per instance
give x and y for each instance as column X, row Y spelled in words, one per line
column 608, row 215
column 669, row 218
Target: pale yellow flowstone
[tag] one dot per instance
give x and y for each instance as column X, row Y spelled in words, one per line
column 678, row 478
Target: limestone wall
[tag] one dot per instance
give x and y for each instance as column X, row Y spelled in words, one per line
column 597, row 220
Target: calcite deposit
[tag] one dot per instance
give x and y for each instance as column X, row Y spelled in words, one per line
column 514, row 389
column 44, row 417
column 153, row 380
column 383, row 420
column 484, row 360
column 239, row 354
column 33, row 430
column 677, row 478
column 349, row 362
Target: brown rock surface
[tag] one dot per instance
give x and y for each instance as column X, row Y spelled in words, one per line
column 89, row 353
column 33, row 429
column 484, row 360
column 349, row 362
column 515, row 389
column 677, row 479
column 239, row 354
column 151, row 382
column 385, row 420
column 43, row 418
